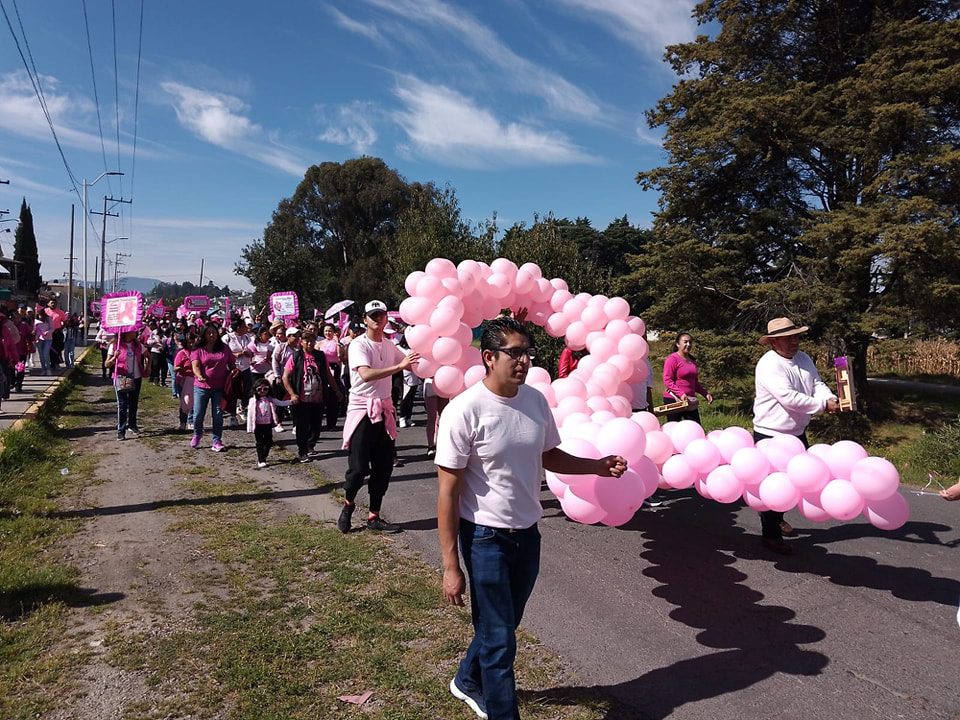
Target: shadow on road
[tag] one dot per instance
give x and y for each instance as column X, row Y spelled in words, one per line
column 18, row 604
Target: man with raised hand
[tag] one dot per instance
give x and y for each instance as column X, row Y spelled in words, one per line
column 370, row 429
column 494, row 441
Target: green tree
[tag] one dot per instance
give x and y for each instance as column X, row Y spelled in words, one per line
column 432, row 226
column 813, row 172
column 328, row 241
column 25, row 253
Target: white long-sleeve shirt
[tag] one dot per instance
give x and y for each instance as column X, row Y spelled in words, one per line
column 789, row 392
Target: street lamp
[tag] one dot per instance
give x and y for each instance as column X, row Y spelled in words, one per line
column 86, row 220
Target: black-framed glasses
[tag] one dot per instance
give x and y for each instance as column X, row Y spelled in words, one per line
column 517, row 353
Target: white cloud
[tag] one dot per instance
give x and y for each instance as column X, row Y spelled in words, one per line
column 563, row 97
column 349, row 125
column 355, row 26
column 21, row 114
column 449, row 127
column 647, row 137
column 219, row 119
column 649, row 25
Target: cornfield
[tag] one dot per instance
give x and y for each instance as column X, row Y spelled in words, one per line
column 914, row 357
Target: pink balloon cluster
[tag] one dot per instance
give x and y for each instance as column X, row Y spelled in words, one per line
column 447, row 301
column 836, row 481
column 611, row 501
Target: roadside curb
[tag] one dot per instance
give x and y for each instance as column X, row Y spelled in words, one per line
column 33, row 410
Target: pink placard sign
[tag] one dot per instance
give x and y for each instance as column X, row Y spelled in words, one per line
column 157, row 310
column 196, row 303
column 122, row 312
column 285, row 304
column 95, row 307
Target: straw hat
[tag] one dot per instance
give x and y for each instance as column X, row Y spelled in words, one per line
column 781, row 327
column 276, row 325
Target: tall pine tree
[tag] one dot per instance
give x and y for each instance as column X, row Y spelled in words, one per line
column 25, row 253
column 813, row 171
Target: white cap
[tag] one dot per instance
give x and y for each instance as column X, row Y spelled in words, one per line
column 374, row 306
column 293, row 331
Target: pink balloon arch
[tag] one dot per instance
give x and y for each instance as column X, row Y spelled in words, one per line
column 592, row 406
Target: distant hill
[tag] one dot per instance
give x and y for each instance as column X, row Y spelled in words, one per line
column 139, row 284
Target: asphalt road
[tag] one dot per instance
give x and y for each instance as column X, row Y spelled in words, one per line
column 682, row 614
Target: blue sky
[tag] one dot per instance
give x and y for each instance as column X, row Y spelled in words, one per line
column 523, row 106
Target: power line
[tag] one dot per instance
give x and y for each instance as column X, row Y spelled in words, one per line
column 116, row 83
column 34, row 81
column 136, row 103
column 96, row 95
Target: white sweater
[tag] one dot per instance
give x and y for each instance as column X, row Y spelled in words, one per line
column 789, row 393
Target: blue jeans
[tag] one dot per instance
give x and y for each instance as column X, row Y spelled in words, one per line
column 43, row 349
column 172, row 374
column 127, row 403
column 202, row 396
column 502, row 566
column 69, row 350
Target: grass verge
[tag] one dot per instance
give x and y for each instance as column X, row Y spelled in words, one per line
column 36, row 588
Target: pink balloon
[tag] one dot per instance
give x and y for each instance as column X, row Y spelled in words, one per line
column 505, row 266
column 444, row 321
column 659, row 447
column 621, row 363
column 573, row 309
column 808, row 473
column 569, row 387
column 702, row 455
column 596, row 403
column 809, row 507
column 557, row 324
column 622, row 437
column 448, row 381
column 780, row 449
column 647, row 420
column 700, row 485
column 777, row 492
column 580, row 448
column 723, row 485
column 452, row 286
column 452, row 302
column 616, row 519
column 580, row 510
column 875, row 478
column 633, row 346
column 410, row 284
column 426, row 367
column 821, row 450
column 888, row 514
column 616, row 329
column 446, row 351
column 416, row 310
column 498, row 286
column 752, row 498
column 841, row 499
column 616, row 308
column 593, row 317
column 463, row 335
column 750, row 465
column 649, row 473
column 557, row 486
column 543, row 292
column 576, row 335
column 685, row 432
column 572, row 404
column 577, row 418
column 603, row 348
column 559, row 299
column 524, row 282
column 728, row 443
column 441, row 268
column 620, row 406
column 420, row 337
column 637, row 325
column 677, row 472
column 430, row 288
column 473, row 375
column 843, row 456
column 602, row 417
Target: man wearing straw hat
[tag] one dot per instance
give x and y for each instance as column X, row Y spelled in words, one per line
column 789, row 392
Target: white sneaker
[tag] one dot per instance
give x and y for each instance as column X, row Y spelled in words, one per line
column 403, row 422
column 261, row 465
column 279, row 427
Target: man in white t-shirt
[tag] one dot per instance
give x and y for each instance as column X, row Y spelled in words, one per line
column 494, row 440
column 370, row 429
column 789, row 392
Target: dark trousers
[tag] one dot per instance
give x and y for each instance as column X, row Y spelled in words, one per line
column 127, row 403
column 502, row 566
column 103, row 362
column 308, row 417
column 770, row 519
column 684, row 414
column 371, row 452
column 406, row 403
column 158, row 368
column 263, row 435
column 18, row 376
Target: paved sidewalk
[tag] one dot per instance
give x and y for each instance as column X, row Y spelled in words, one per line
column 36, row 387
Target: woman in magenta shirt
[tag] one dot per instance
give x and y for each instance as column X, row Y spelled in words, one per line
column 680, row 379
column 335, row 352
column 213, row 363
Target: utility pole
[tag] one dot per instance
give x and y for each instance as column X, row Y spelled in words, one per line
column 116, row 267
column 103, row 236
column 70, row 281
column 201, row 272
column 96, row 266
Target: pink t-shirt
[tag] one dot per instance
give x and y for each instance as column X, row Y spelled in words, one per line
column 680, row 377
column 364, row 352
column 216, row 366
column 331, row 348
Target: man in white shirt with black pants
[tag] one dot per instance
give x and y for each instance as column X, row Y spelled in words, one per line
column 370, row 428
column 789, row 392
column 494, row 440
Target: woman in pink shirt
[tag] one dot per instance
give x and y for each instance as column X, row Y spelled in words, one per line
column 213, row 363
column 335, row 353
column 680, row 380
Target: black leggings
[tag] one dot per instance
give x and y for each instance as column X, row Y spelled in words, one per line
column 263, row 434
column 770, row 519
